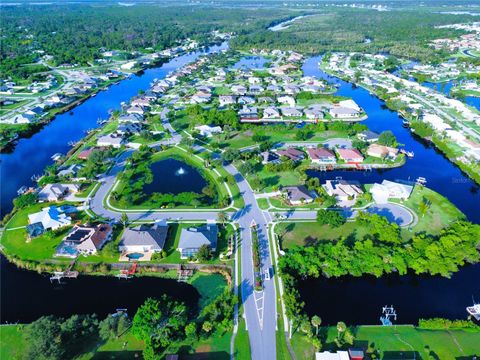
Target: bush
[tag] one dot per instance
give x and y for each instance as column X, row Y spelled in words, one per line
column 329, row 217
column 442, row 324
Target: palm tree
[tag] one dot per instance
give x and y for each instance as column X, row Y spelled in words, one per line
column 423, row 207
column 124, row 219
column 316, row 321
column 222, row 217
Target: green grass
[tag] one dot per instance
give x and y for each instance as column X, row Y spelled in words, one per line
column 242, row 342
column 11, row 342
column 390, row 342
column 307, row 233
column 440, row 213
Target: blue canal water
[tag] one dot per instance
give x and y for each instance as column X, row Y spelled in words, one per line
column 32, row 155
column 442, row 176
column 172, row 176
column 359, row 300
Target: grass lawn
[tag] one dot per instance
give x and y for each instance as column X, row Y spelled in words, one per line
column 242, row 342
column 391, row 341
column 308, row 233
column 15, row 241
column 11, row 342
column 440, row 213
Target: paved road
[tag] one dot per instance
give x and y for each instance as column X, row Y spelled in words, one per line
column 259, row 307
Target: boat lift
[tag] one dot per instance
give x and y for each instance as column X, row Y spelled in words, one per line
column 388, row 312
column 68, row 273
column 126, row 274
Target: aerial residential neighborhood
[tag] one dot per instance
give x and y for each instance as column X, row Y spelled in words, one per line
column 226, row 180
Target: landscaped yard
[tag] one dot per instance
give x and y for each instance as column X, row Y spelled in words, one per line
column 393, row 342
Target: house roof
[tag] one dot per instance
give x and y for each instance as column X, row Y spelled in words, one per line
column 297, row 193
column 51, row 218
column 320, row 153
column 144, row 235
column 35, row 229
column 349, row 153
column 195, row 237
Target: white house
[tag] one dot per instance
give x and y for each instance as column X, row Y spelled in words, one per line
column 110, row 140
column 388, row 190
column 207, row 130
column 289, row 100
column 51, row 218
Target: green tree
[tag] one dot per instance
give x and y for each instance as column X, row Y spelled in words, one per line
column 204, row 253
column 330, row 217
column 25, row 200
column 316, row 322
column 387, row 138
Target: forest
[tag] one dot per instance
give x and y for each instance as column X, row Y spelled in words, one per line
column 402, row 33
column 77, row 33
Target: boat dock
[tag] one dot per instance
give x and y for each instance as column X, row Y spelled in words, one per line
column 68, row 273
column 126, row 274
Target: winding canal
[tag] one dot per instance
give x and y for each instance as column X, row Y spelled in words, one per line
column 32, row 155
column 359, row 300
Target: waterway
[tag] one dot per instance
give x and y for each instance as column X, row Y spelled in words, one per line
column 26, row 295
column 442, row 176
column 32, row 155
column 359, row 300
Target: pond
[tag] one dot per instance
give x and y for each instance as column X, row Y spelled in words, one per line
column 26, row 295
column 172, row 176
column 251, row 63
column 360, row 300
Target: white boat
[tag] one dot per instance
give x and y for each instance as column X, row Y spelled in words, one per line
column 474, row 311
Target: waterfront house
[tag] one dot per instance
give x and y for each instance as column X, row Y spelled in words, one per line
column 113, row 140
column 85, row 240
column 144, row 238
column 382, row 151
column 85, row 154
column 24, row 118
column 135, row 110
column 291, row 111
column 192, row 238
column 390, row 190
column 298, row 195
column 271, row 112
column 56, row 192
column 344, row 191
column 129, row 129
column 321, row 156
column 292, row 154
column 368, row 136
column 339, row 112
column 350, row 155
column 130, row 118
column 51, row 217
column 141, row 102
column 70, row 171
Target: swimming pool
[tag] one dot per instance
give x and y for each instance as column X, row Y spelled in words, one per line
column 135, row 256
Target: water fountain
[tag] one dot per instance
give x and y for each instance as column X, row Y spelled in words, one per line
column 181, row 171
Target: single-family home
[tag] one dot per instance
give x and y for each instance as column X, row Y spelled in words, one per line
column 130, row 118
column 239, row 89
column 274, row 88
column 192, row 238
column 350, row 155
column 390, row 190
column 321, row 156
column 86, row 240
column 70, row 171
column 140, row 101
column 56, row 192
column 51, row 217
column 368, row 136
column 314, row 113
column 207, row 130
column 382, row 151
column 291, row 89
column 144, row 238
column 248, row 114
column 343, row 190
column 269, row 157
column 285, row 99
column 246, row 100
column 256, row 89
column 34, row 230
column 227, row 100
column 339, row 112
column 113, row 140
column 85, row 154
column 24, row 118
column 298, row 195
column 271, row 112
column 292, row 153
column 135, row 110
column 291, row 111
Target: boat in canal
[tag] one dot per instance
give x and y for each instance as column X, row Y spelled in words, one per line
column 474, row 311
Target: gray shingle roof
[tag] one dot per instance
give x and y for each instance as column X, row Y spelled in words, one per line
column 145, row 235
column 195, row 237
